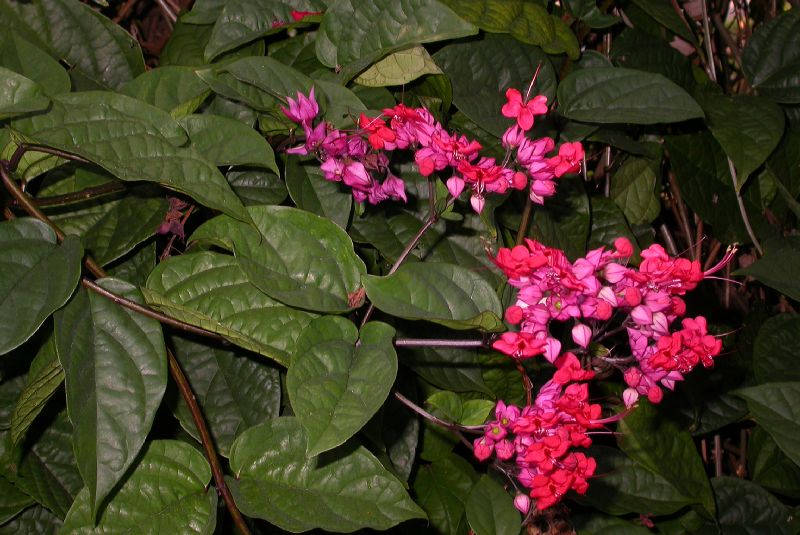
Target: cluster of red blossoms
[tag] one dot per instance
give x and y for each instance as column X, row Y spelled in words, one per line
column 358, row 158
column 601, row 295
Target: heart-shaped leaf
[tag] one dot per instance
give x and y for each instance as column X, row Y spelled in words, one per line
column 776, row 407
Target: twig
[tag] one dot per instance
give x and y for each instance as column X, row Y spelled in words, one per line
column 168, row 14
column 450, row 426
column 679, row 208
column 717, row 455
column 728, row 38
column 422, row 342
column 82, row 195
column 669, row 241
column 743, row 210
column 525, row 221
column 174, row 367
column 710, row 66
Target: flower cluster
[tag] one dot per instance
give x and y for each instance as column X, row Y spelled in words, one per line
column 591, row 290
column 540, row 438
column 357, row 157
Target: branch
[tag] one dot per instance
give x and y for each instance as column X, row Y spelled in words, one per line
column 450, row 426
column 174, row 367
column 82, row 195
column 422, row 342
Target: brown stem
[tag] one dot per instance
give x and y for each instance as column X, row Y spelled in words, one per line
column 680, row 211
column 698, row 237
column 82, row 195
column 717, row 455
column 175, row 372
column 712, row 255
column 525, row 221
column 424, row 342
column 526, row 381
column 728, row 38
column 450, row 426
column 168, row 249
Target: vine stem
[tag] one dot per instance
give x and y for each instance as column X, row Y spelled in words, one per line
column 6, row 167
column 436, row 342
column 82, row 195
column 450, row 426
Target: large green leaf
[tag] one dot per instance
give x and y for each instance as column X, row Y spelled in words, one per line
column 626, row 487
column 355, row 34
column 176, row 90
column 19, row 95
column 95, row 48
column 211, row 291
column 633, row 189
column 312, row 192
column 771, row 60
column 482, row 71
column 128, row 138
column 242, row 21
column 234, row 390
column 399, row 68
column 36, row 519
column 490, row 510
column 776, row 407
column 770, row 467
column 747, row 509
column 167, row 492
column 455, row 369
column 257, row 186
column 656, row 443
column 115, row 365
column 616, row 95
column 778, row 267
column 442, row 488
column 748, row 128
column 528, row 22
column 224, row 141
column 667, row 16
column 564, row 221
column 272, row 77
column 636, row 49
column 339, row 378
column 293, row 256
column 340, row 491
column 44, row 378
column 773, row 358
column 38, row 277
column 20, row 55
column 442, row 293
column 608, row 224
column 12, row 500
column 47, row 470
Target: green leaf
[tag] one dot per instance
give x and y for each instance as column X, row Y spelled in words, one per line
column 272, row 78
column 664, row 13
column 204, row 12
column 447, row 294
column 490, row 509
column 242, row 21
column 176, row 90
column 293, row 256
column 167, row 492
column 442, row 488
column 747, row 509
column 608, row 224
column 311, row 191
column 657, row 444
column 778, row 267
column 186, row 44
column 476, row 411
column 399, row 68
column 224, row 141
column 353, row 35
column 773, row 361
column 12, row 501
column 94, row 47
column 341, row 106
column 36, row 519
column 636, row 49
column 748, row 129
column 451, row 368
column 564, row 221
column 20, row 55
column 527, row 22
column 598, row 524
column 346, row 490
column 47, row 470
column 615, row 95
column 627, row 487
column 44, row 378
column 19, row 95
column 257, row 186
column 211, row 291
column 564, row 41
column 771, row 59
column 339, row 378
column 633, row 190
column 776, row 407
column 128, row 139
column 38, row 277
column 770, row 467
column 482, row 71
column 235, row 391
column 115, row 365
column 446, row 404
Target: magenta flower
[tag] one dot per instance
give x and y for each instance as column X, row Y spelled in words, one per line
column 303, row 110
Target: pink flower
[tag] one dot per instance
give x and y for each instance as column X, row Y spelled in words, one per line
column 581, row 335
column 303, row 110
column 523, row 112
column 482, row 448
column 523, row 503
column 519, row 345
column 569, row 159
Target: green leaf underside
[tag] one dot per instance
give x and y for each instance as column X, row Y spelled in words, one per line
column 336, row 386
column 293, row 256
column 442, row 293
column 657, row 444
column 115, row 366
column 355, row 34
column 12, row 500
column 132, row 141
column 633, row 189
column 776, row 407
column 747, row 509
column 26, row 297
column 312, row 192
column 771, row 59
column 166, row 492
column 346, row 489
column 211, row 291
column 176, row 90
column 399, row 68
column 616, row 95
column 442, row 489
column 771, row 360
column 490, row 509
column 22, row 56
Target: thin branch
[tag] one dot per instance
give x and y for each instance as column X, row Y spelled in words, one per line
column 450, row 426
column 743, row 210
column 728, row 38
column 679, row 208
column 176, row 373
column 423, row 342
column 82, row 195
column 669, row 241
column 525, row 221
column 710, row 66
